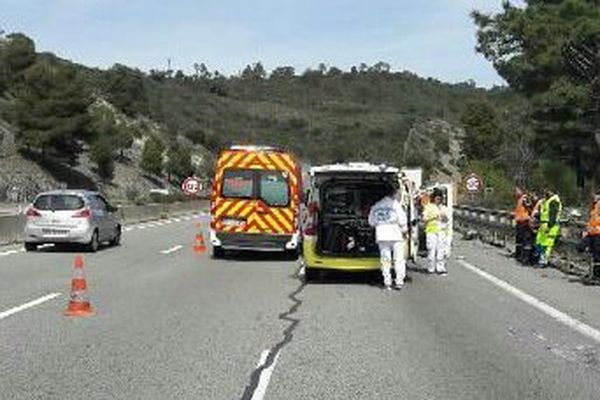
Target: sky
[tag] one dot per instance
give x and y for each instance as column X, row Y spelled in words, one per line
column 433, row 38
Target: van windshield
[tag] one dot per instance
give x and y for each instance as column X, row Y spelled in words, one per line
column 238, row 184
column 274, row 188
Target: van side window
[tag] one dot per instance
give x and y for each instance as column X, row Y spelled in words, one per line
column 238, row 183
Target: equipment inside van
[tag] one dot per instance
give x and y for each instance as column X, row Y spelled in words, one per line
column 343, row 226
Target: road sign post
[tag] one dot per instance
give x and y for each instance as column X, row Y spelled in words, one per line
column 473, row 185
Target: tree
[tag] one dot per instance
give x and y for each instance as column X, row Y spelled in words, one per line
column 106, row 128
column 152, row 156
column 531, row 48
column 381, row 68
column 283, row 73
column 179, row 75
column 483, row 134
column 50, row 110
column 102, row 153
column 255, row 72
column 125, row 88
column 201, row 71
column 18, row 52
column 179, row 162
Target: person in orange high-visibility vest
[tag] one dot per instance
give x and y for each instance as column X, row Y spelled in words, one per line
column 524, row 234
column 592, row 234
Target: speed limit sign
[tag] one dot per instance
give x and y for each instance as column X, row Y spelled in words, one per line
column 191, row 186
column 473, row 183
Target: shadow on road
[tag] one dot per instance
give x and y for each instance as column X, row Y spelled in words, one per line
column 248, row 256
column 70, row 248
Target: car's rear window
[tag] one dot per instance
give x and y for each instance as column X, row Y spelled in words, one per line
column 58, row 202
column 238, row 184
column 274, row 189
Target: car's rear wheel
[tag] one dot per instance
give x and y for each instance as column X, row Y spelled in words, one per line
column 30, row 246
column 94, row 243
column 117, row 239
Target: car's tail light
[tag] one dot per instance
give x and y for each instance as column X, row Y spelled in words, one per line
column 311, row 224
column 32, row 212
column 83, row 213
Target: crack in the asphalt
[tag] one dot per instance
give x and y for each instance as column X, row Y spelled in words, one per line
column 274, row 351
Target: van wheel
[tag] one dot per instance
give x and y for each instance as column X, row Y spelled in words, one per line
column 218, row 252
column 291, row 255
column 94, row 243
column 30, row 246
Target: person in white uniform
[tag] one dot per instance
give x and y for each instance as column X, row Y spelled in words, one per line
column 436, row 218
column 388, row 218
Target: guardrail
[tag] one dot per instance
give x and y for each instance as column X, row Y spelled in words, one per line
column 496, row 227
column 11, row 226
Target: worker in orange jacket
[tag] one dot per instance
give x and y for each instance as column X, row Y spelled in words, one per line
column 524, row 233
column 592, row 234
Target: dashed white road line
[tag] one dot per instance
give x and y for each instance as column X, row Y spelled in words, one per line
column 552, row 312
column 172, row 249
column 27, row 305
column 144, row 225
column 265, row 376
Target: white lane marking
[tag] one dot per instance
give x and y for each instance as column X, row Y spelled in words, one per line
column 141, row 227
column 263, row 358
column 30, row 304
column 8, row 252
column 176, row 220
column 552, row 312
column 187, row 218
column 265, row 377
column 128, row 228
column 158, row 224
column 168, row 221
column 172, row 249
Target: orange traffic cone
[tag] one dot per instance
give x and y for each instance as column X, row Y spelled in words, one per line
column 79, row 303
column 200, row 246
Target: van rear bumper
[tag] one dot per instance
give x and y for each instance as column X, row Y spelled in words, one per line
column 253, row 241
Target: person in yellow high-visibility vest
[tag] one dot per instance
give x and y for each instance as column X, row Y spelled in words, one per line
column 549, row 230
column 436, row 219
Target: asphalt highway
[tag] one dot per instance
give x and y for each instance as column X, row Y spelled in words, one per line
column 173, row 324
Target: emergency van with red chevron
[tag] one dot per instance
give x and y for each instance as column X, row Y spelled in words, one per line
column 255, row 200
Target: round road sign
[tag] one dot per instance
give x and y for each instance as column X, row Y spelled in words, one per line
column 473, row 183
column 191, row 186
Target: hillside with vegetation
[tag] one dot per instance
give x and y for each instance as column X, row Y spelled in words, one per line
column 159, row 126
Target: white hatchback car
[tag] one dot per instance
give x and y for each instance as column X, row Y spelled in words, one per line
column 71, row 216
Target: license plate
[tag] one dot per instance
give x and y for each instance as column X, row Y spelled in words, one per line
column 55, row 232
column 232, row 222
